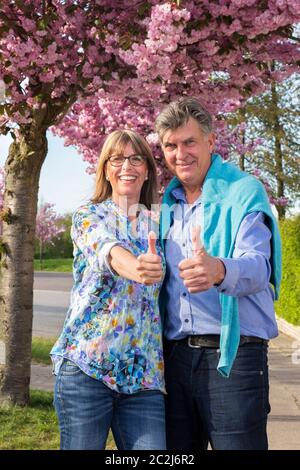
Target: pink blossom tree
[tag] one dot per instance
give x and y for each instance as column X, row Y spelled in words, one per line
column 2, row 177
column 114, row 63
column 220, row 52
column 48, row 226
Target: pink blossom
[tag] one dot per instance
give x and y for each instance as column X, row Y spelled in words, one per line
column 120, row 61
column 47, row 224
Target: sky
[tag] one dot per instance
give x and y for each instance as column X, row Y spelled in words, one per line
column 64, row 181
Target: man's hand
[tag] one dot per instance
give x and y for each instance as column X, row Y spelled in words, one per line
column 202, row 271
column 149, row 265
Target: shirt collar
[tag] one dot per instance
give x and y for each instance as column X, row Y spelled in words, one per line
column 179, row 194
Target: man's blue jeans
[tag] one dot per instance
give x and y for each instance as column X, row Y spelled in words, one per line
column 202, row 406
column 87, row 409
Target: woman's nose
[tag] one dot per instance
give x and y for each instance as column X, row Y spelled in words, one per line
column 126, row 163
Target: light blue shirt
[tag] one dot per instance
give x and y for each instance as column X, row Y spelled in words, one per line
column 247, row 278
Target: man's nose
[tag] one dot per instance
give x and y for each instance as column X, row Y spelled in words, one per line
column 180, row 153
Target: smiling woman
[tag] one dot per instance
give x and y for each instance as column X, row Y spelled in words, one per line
column 126, row 174
column 127, row 168
column 111, row 344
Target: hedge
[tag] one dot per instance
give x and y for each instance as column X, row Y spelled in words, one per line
column 288, row 305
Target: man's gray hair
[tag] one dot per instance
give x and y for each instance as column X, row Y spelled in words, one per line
column 177, row 113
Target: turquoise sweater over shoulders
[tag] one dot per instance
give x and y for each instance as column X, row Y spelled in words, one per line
column 228, row 195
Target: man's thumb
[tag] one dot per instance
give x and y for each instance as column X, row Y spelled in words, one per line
column 196, row 240
column 152, row 243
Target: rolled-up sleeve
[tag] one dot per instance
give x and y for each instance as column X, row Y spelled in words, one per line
column 249, row 270
column 94, row 237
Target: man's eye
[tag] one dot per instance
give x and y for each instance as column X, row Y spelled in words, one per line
column 170, row 146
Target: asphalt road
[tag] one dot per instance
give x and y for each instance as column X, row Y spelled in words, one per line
column 51, row 298
column 284, row 370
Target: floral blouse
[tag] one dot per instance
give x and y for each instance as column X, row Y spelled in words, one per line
column 112, row 330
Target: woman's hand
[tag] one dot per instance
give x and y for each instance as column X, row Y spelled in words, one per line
column 149, row 266
column 145, row 269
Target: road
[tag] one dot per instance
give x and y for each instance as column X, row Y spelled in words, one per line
column 51, row 297
column 284, row 368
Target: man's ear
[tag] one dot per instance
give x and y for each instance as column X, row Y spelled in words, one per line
column 211, row 139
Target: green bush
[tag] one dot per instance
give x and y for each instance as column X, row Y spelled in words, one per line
column 288, row 305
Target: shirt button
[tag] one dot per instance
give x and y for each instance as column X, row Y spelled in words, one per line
column 186, row 320
column 184, row 294
column 183, row 244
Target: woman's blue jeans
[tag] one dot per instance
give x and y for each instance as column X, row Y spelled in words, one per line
column 87, row 409
column 202, row 406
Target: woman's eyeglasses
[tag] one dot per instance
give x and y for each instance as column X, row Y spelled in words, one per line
column 134, row 160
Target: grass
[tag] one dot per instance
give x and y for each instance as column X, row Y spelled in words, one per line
column 41, row 348
column 33, row 427
column 61, row 265
column 34, row 423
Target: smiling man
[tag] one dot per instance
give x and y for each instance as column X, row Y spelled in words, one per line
column 222, row 249
column 187, row 150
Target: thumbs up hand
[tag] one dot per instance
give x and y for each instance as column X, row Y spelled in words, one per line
column 149, row 266
column 202, row 271
column 198, row 247
column 152, row 243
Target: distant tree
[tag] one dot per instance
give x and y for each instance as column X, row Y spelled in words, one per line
column 269, row 143
column 61, row 246
column 48, row 227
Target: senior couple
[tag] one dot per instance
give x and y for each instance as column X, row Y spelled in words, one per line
column 165, row 341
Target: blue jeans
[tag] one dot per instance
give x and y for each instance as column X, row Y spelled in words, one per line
column 202, row 406
column 87, row 409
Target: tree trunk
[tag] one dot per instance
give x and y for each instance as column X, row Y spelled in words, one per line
column 278, row 150
column 22, row 168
